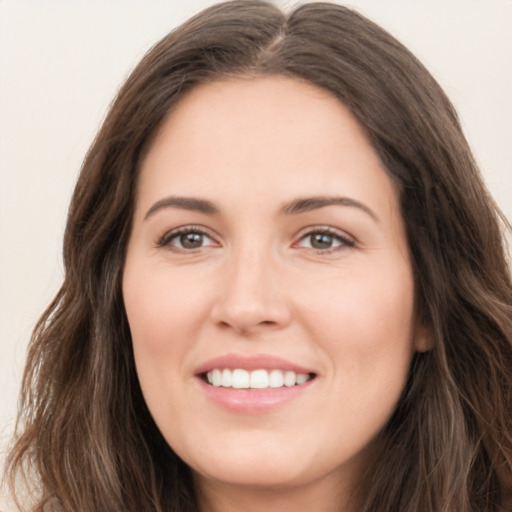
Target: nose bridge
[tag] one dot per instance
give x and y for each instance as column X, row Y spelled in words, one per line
column 252, row 275
column 251, row 294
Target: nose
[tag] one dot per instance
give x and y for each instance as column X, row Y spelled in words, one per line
column 251, row 297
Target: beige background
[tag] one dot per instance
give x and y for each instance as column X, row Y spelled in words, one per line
column 62, row 61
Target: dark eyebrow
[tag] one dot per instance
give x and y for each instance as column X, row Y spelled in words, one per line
column 307, row 204
column 185, row 203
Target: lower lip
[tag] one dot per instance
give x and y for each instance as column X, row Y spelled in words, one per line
column 253, row 401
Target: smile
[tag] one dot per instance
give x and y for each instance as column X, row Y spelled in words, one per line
column 254, row 383
column 256, row 379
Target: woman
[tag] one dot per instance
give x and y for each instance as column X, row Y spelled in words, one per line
column 285, row 287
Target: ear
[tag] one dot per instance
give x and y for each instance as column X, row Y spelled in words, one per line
column 423, row 340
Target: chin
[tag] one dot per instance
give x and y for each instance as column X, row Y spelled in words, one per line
column 256, row 464
column 271, row 465
column 268, row 475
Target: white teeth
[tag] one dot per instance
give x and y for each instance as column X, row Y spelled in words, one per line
column 301, row 378
column 216, row 377
column 226, row 378
column 289, row 379
column 257, row 379
column 276, row 379
column 240, row 379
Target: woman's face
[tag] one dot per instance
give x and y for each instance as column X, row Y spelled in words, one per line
column 268, row 256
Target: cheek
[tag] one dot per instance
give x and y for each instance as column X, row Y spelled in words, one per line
column 365, row 310
column 159, row 306
column 366, row 325
column 371, row 338
column 164, row 322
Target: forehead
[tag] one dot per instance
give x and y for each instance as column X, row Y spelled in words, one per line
column 270, row 136
column 263, row 109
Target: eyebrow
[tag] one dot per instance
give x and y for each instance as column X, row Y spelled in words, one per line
column 308, row 204
column 295, row 207
column 185, row 203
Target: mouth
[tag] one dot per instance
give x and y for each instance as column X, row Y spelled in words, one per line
column 258, row 379
column 255, row 383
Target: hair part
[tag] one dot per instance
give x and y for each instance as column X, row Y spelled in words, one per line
column 448, row 445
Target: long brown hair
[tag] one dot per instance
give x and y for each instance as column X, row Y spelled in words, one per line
column 86, row 438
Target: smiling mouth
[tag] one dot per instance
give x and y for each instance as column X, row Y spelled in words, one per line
column 256, row 379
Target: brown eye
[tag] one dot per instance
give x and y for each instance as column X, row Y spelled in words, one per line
column 321, row 240
column 186, row 240
column 191, row 240
column 324, row 240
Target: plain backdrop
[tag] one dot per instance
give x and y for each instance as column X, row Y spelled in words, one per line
column 61, row 63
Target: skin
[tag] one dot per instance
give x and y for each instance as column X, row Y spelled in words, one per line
column 257, row 284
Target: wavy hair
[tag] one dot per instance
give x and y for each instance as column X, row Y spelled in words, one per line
column 86, row 441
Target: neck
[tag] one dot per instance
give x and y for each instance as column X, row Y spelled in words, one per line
column 324, row 496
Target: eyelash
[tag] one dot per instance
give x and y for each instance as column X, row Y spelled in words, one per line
column 344, row 241
column 165, row 241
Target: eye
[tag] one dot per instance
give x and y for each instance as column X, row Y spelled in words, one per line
column 187, row 239
column 324, row 240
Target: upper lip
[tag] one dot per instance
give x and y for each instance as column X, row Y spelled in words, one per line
column 250, row 362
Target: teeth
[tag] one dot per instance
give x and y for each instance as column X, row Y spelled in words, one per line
column 302, row 377
column 239, row 379
column 257, row 379
column 289, row 379
column 216, row 378
column 226, row 379
column 276, row 379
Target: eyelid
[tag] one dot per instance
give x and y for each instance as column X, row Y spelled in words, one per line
column 345, row 238
column 164, row 240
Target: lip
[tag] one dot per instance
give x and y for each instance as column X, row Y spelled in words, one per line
column 251, row 401
column 249, row 363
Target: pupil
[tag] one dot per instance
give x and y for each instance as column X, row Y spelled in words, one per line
column 321, row 241
column 191, row 240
